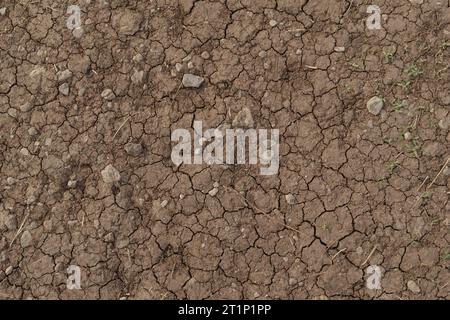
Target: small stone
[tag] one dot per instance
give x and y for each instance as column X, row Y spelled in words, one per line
column 110, row 174
column 407, row 135
column 416, row 1
column 292, row 281
column 190, row 65
column 215, row 184
column 11, row 181
column 133, row 149
column 24, row 152
column 26, row 239
column 26, row 107
column 213, row 192
column 444, row 124
column 446, row 171
column 64, row 75
column 290, row 199
column 9, row 270
column 12, row 112
column 243, row 119
column 374, row 105
column 138, row 57
column 127, row 22
column 298, row 52
column 413, row 287
column 48, row 225
column 78, row 32
column 11, row 222
column 431, row 149
column 273, row 23
column 192, row 81
column 108, row 94
column 122, row 243
column 370, row 124
column 137, row 76
column 72, row 184
column 205, row 55
column 33, row 131
column 182, row 196
column 2, row 11
column 262, row 54
column 178, row 67
column 164, row 203
column 109, row 237
column 64, row 89
column 339, row 49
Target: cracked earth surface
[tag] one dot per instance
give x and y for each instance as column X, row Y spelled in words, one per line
column 86, row 176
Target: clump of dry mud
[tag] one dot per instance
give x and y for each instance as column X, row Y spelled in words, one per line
column 86, row 177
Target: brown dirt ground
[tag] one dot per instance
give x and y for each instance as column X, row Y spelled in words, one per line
column 351, row 187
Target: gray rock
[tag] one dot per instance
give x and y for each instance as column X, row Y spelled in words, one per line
column 2, row 11
column 26, row 239
column 446, row 171
column 192, row 81
column 33, row 131
column 213, row 192
column 109, row 237
column 72, row 184
column 413, row 287
column 108, row 94
column 133, row 149
column 64, row 75
column 12, row 112
column 110, row 174
column 243, row 119
column 64, row 89
column 374, row 105
column 444, row 123
column 432, row 149
column 11, row 181
column 59, row 267
column 78, row 32
column 11, row 222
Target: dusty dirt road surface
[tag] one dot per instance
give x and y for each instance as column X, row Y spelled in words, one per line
column 86, row 177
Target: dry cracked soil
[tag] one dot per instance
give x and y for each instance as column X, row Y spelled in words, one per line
column 87, row 180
